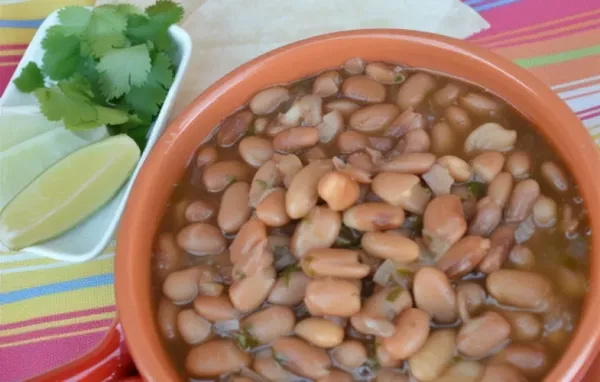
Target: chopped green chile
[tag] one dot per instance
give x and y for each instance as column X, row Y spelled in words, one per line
column 366, row 289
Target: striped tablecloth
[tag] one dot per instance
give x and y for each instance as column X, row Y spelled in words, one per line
column 52, row 312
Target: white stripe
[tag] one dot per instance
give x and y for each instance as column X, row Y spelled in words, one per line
column 581, row 81
column 592, row 122
column 57, row 264
column 576, row 92
column 583, row 103
column 20, row 256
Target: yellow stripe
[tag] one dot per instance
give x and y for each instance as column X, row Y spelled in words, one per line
column 71, row 301
column 17, row 281
column 38, row 260
column 12, row 52
column 46, row 338
column 56, row 324
column 36, row 9
column 1, row 65
column 16, row 35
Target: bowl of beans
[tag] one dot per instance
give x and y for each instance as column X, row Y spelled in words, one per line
column 376, row 205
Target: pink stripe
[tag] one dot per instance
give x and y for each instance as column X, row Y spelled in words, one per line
column 57, row 317
column 584, row 111
column 6, row 73
column 14, row 58
column 501, row 44
column 54, row 331
column 590, row 116
column 530, row 12
column 22, row 362
column 13, row 46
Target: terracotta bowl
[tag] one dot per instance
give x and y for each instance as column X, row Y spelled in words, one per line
column 165, row 165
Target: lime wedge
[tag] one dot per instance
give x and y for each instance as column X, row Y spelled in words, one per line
column 20, row 123
column 68, row 192
column 22, row 163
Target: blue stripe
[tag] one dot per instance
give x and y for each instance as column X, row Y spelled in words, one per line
column 66, row 286
column 21, row 23
column 500, row 3
column 473, row 2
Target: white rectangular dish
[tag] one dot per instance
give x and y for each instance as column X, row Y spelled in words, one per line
column 92, row 236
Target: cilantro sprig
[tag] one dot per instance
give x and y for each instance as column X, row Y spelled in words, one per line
column 106, row 66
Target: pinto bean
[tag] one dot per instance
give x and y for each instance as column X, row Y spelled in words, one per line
column 502, row 373
column 434, row 294
column 443, row 223
column 330, row 127
column 391, row 375
column 271, row 210
column 318, row 229
column 385, row 359
column 518, row 164
column 302, row 193
column 500, row 188
column 525, row 326
column 350, row 354
column 530, row 358
column 414, row 141
column 490, row 136
column 258, row 258
column 447, row 95
column 545, row 211
column 413, row 163
column 266, row 178
column 521, row 289
column 522, row 199
column 407, row 120
column 210, row 289
column 458, row 169
column 182, row 286
column 571, row 282
column 251, row 233
column 168, row 255
column 319, row 332
column 374, row 217
column 167, row 319
column 384, row 73
column 199, row 211
column 327, row 84
column 250, row 292
column 414, row 90
column 233, row 128
column 306, row 111
column 486, row 166
column 363, row 88
column 219, row 175
column 215, row 358
column 481, row 105
column 390, row 246
column 443, row 139
column 480, row 336
column 412, row 329
column 234, row 210
column 344, row 106
column 434, row 356
column 302, row 358
column 337, row 375
column 387, row 303
column 193, row 328
column 332, row 297
column 458, row 119
column 350, row 141
column 270, row 323
column 555, row 176
column 255, row 150
column 373, row 118
column 296, row 139
column 266, row 365
column 470, row 297
column 402, row 190
column 521, row 257
column 313, row 154
column 501, row 241
column 289, row 289
column 339, row 190
column 268, row 100
column 334, row 262
column 215, row 308
column 464, row 256
column 487, row 218
column 206, row 156
column 379, row 327
column 260, row 125
column 354, row 65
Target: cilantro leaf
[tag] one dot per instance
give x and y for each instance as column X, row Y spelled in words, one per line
column 166, row 12
column 74, row 19
column 62, row 53
column 146, row 100
column 128, row 9
column 120, row 69
column 106, row 30
column 52, row 102
column 31, row 78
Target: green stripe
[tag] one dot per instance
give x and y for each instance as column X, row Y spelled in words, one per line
column 558, row 57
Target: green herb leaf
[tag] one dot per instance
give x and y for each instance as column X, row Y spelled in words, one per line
column 166, row 12
column 244, row 339
column 394, row 294
column 476, row 189
column 106, row 30
column 74, row 20
column 262, row 184
column 240, row 275
column 404, row 272
column 62, row 53
column 120, row 69
column 279, row 358
column 31, row 78
column 399, row 78
column 456, row 359
column 286, row 273
column 229, row 179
